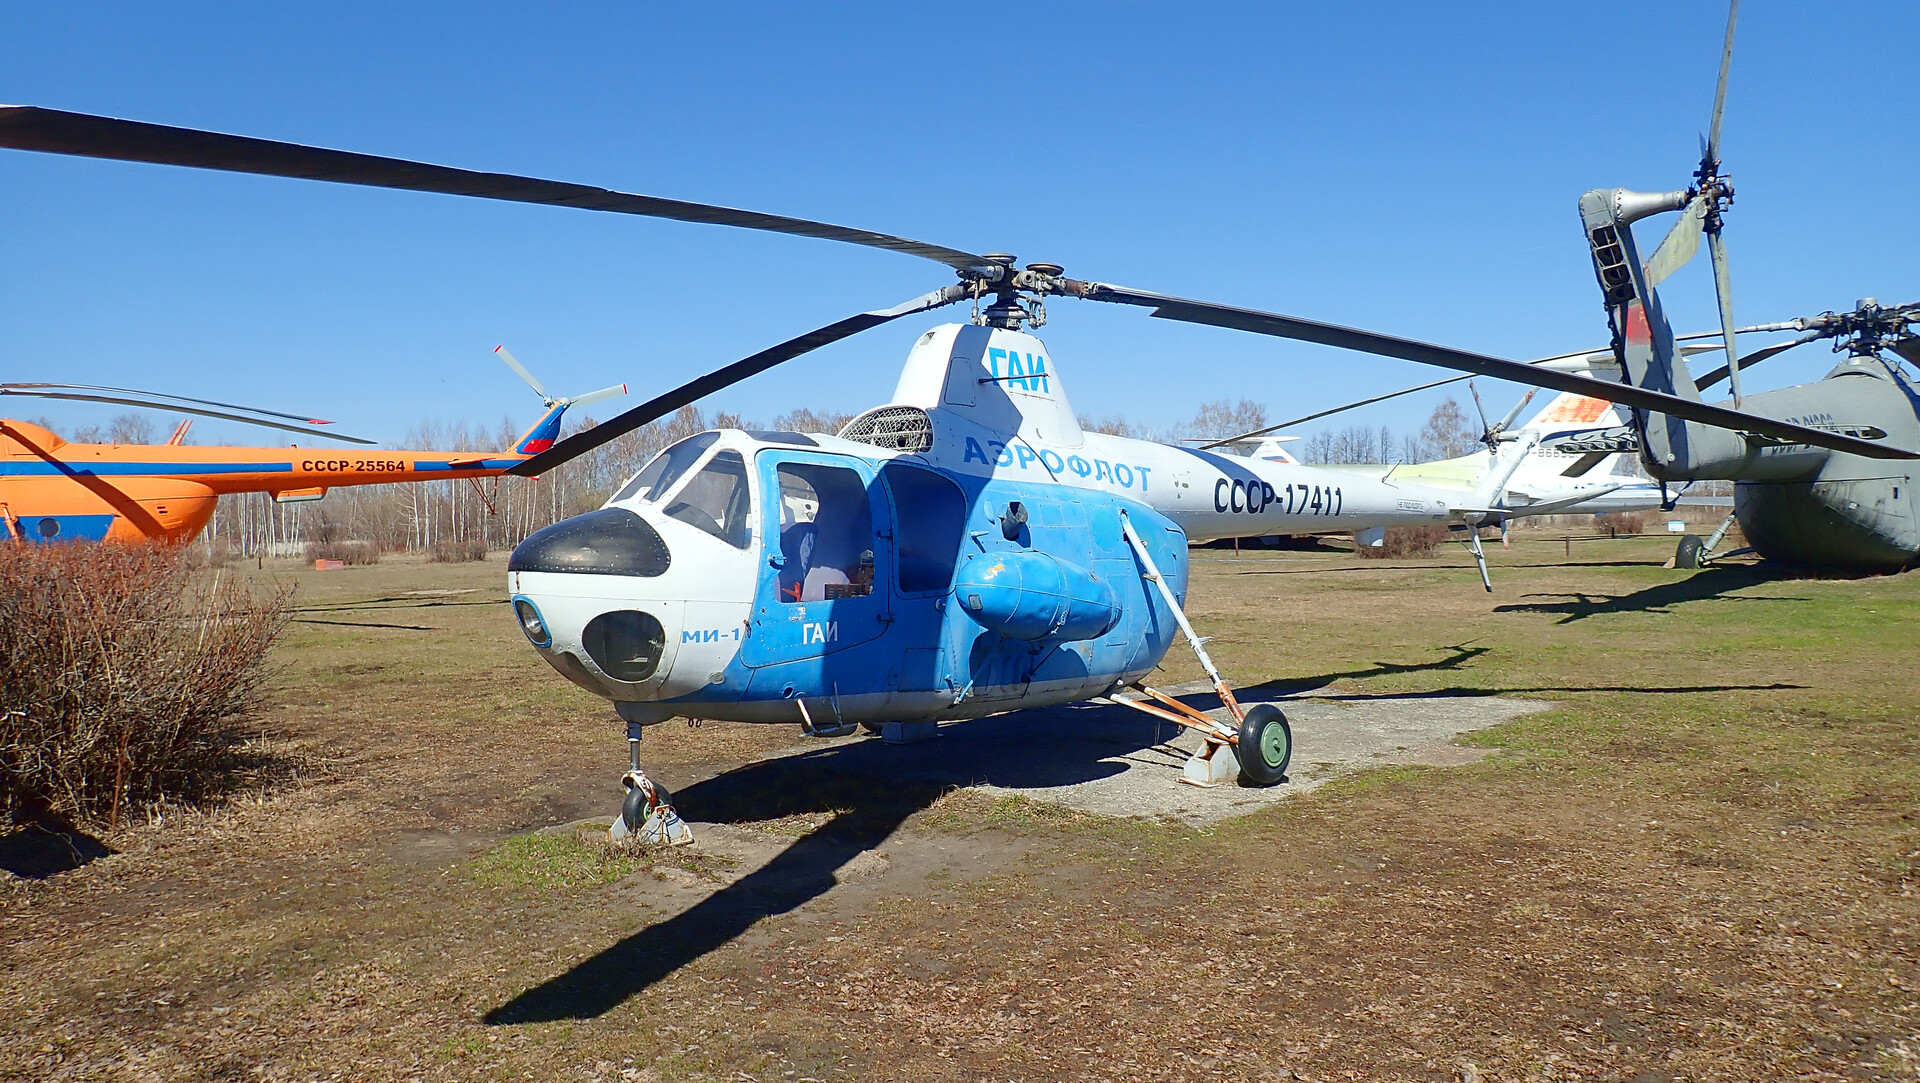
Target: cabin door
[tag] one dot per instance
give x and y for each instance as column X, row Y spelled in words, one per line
column 827, row 558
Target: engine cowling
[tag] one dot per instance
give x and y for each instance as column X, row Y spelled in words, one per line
column 1031, row 596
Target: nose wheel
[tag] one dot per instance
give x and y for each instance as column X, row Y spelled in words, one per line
column 647, row 812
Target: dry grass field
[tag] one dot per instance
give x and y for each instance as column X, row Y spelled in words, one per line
column 1701, row 865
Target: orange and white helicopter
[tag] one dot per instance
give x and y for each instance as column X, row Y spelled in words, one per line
column 52, row 489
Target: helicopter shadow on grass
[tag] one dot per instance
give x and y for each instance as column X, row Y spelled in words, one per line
column 871, row 788
column 1712, row 584
column 305, row 614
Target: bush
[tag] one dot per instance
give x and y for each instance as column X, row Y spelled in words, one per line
column 130, row 678
column 457, row 552
column 1407, row 541
column 217, row 554
column 353, row 552
column 1620, row 522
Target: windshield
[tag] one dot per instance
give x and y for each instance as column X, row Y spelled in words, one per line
column 716, row 500
column 654, row 479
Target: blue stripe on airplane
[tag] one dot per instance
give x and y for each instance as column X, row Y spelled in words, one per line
column 475, row 464
column 44, row 469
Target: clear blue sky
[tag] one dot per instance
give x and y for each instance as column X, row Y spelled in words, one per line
column 1412, row 168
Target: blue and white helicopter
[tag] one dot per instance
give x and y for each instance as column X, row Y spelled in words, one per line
column 963, row 550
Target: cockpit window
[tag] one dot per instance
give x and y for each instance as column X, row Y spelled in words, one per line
column 658, row 476
column 716, row 500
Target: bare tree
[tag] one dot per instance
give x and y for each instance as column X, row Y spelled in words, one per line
column 130, row 429
column 1222, row 418
column 805, row 420
column 1113, row 425
column 1448, row 434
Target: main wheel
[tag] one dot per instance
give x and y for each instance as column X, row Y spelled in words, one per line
column 875, row 728
column 1266, row 746
column 1691, row 549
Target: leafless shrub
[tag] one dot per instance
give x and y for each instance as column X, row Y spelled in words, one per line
column 353, row 552
column 457, row 552
column 1620, row 522
column 1407, row 541
column 129, row 678
column 215, row 554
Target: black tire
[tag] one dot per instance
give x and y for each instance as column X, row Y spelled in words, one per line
column 1266, row 746
column 875, row 728
column 634, row 809
column 1690, row 552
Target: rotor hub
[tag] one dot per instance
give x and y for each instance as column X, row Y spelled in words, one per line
column 1018, row 296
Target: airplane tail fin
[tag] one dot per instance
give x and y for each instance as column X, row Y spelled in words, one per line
column 1567, row 415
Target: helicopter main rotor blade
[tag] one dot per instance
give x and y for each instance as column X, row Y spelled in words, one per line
column 1907, row 346
column 43, row 391
column 1555, row 360
column 582, row 442
column 56, row 131
column 514, row 364
column 1753, row 359
column 1338, row 409
column 1278, row 326
column 161, row 400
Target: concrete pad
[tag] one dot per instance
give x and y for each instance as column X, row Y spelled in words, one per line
column 1332, row 736
column 1115, row 761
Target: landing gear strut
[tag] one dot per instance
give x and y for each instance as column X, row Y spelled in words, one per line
column 648, row 809
column 1261, row 746
column 1695, row 554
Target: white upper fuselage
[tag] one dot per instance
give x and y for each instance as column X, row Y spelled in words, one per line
column 998, row 410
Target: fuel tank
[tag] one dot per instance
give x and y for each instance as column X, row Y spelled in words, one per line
column 1030, row 595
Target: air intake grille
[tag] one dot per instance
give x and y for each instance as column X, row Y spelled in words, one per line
column 896, row 428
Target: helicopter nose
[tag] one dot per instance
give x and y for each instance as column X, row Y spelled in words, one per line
column 605, row 637
column 610, row 541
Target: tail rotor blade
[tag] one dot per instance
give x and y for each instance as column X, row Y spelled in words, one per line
column 1485, row 428
column 1712, row 153
column 1514, row 413
column 1681, row 242
column 596, row 396
column 514, row 364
